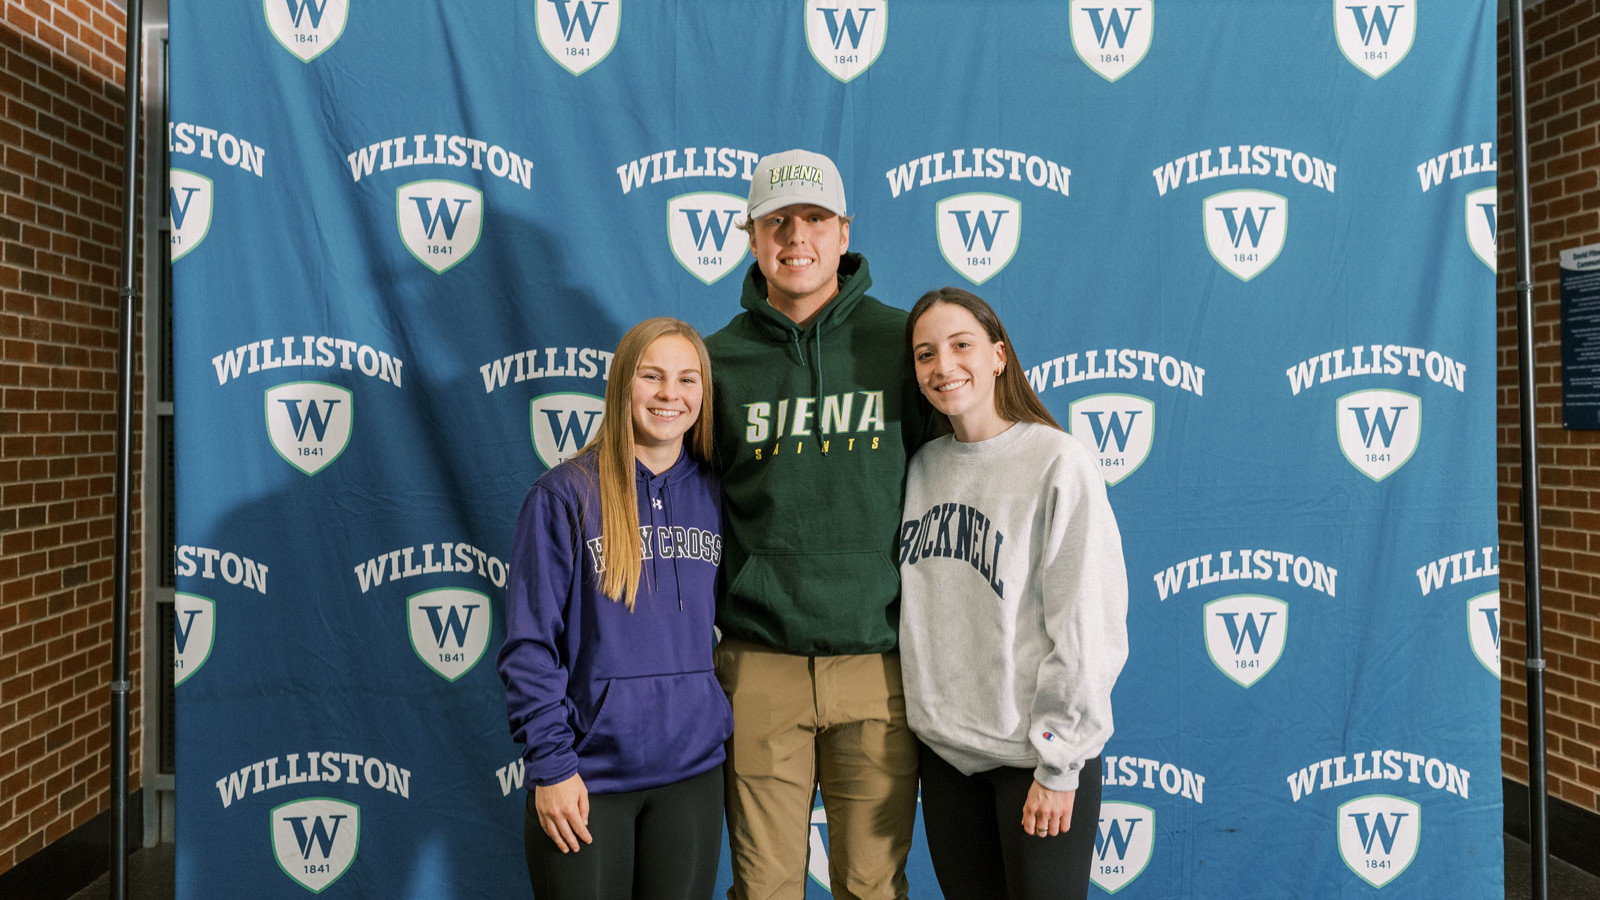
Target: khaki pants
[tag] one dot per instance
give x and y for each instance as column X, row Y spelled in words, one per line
column 800, row 723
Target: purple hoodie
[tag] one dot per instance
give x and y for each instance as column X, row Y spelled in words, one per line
column 627, row 700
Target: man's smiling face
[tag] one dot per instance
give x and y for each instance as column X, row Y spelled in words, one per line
column 798, row 249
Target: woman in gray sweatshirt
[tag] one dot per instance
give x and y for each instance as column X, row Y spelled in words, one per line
column 1013, row 619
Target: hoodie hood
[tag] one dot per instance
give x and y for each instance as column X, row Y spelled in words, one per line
column 854, row 279
column 682, row 467
column 654, row 492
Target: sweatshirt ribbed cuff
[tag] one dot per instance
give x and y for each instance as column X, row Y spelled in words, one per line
column 1056, row 779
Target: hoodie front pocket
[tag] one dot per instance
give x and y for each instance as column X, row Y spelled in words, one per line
column 657, row 728
column 595, row 723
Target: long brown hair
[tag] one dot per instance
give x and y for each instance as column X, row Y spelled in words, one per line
column 613, row 448
column 1014, row 399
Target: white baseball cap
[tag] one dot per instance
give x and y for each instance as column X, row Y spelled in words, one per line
column 795, row 176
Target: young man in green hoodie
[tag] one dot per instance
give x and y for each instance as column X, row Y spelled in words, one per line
column 817, row 412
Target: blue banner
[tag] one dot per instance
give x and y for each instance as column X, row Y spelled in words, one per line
column 1247, row 253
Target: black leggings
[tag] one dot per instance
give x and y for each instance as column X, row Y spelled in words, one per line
column 657, row 844
column 975, row 836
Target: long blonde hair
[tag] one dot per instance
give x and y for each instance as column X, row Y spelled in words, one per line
column 612, row 445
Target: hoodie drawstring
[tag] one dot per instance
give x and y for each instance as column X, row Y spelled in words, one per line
column 650, row 539
column 677, row 580
column 816, row 422
column 653, row 539
column 816, row 383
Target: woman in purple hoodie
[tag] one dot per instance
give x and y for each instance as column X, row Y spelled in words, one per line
column 607, row 660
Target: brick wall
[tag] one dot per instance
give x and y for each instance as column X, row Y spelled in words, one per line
column 1563, row 52
column 61, row 186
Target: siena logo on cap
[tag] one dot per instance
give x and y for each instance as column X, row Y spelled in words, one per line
column 795, row 176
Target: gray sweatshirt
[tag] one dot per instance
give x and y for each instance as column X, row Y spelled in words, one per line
column 1013, row 624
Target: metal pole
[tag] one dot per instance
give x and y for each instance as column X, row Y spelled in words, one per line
column 1538, row 814
column 128, row 298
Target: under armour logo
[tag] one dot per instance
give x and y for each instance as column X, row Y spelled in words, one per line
column 656, row 502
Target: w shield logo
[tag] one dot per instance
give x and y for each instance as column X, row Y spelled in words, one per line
column 1117, row 429
column 1245, row 230
column 1375, row 36
column 190, row 208
column 1483, row 630
column 1123, row 842
column 194, row 624
column 562, row 424
column 1112, row 38
column 306, row 28
column 449, row 629
column 1378, row 836
column 315, row 840
column 1481, row 206
column 577, row 33
column 1245, row 635
column 703, row 231
column 846, row 36
column 978, row 233
column 440, row 221
column 309, row 423
column 1379, row 430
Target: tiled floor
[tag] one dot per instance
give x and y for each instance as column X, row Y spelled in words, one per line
column 150, row 877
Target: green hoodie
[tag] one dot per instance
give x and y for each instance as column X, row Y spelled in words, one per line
column 813, row 430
